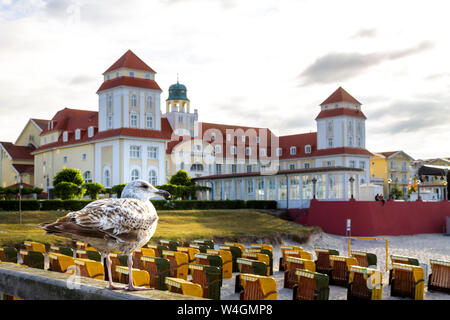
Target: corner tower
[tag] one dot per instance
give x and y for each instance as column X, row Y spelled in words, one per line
column 129, row 97
column 341, row 122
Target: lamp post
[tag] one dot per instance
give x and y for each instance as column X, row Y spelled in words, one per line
column 20, row 199
column 389, row 188
column 314, row 180
column 351, row 185
column 418, row 189
column 445, row 189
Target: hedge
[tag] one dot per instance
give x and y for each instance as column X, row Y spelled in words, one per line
column 74, row 205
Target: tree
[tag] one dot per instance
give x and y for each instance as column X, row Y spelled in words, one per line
column 69, row 175
column 181, row 178
column 396, row 193
column 38, row 191
column 68, row 191
column 71, row 180
column 117, row 189
column 93, row 189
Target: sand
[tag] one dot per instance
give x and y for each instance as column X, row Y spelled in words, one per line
column 423, row 247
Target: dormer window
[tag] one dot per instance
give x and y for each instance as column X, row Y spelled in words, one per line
column 293, row 150
column 132, row 74
column 90, row 132
column 336, row 106
column 117, row 74
column 147, row 76
column 279, row 152
column 108, row 77
column 308, row 148
column 65, row 136
column 77, row 134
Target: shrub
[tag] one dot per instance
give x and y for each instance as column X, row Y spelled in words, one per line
column 68, row 190
column 93, row 189
column 49, row 205
column 117, row 189
column 13, row 205
column 261, row 204
column 69, row 175
column 181, row 178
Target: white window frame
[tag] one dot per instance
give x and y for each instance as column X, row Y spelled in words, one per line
column 133, row 176
column 152, row 153
column 107, row 178
column 131, row 74
column 233, row 150
column 90, row 132
column 84, row 156
column 133, row 101
column 134, row 120
column 77, row 134
column 149, row 122
column 279, row 152
column 308, row 148
column 218, row 148
column 65, row 136
column 110, row 122
column 293, row 150
column 150, row 103
column 153, row 177
column 306, row 165
column 65, row 159
column 135, row 152
column 262, row 152
column 87, row 176
column 248, row 151
column 291, row 166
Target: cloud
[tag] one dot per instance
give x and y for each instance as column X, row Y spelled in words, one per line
column 411, row 116
column 436, row 76
column 337, row 67
column 365, row 33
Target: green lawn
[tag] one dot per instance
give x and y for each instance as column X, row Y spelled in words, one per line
column 183, row 225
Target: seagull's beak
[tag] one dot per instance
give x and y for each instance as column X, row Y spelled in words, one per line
column 163, row 193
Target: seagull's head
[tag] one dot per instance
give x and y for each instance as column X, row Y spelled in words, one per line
column 144, row 191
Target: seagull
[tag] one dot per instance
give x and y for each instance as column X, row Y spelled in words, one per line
column 114, row 225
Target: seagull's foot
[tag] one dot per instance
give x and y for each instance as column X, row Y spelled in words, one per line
column 133, row 288
column 114, row 287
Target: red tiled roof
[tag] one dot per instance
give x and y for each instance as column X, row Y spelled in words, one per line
column 130, row 82
column 341, row 112
column 164, row 134
column 340, row 95
column 131, row 61
column 342, row 150
column 24, row 168
column 299, row 141
column 25, row 185
column 71, row 119
column 387, row 154
column 41, row 123
column 18, row 152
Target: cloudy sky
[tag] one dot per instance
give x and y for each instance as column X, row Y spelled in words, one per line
column 258, row 63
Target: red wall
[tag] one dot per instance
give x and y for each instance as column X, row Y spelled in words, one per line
column 372, row 218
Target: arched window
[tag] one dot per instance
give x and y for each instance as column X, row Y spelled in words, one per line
column 153, row 177
column 197, row 167
column 150, row 103
column 87, row 176
column 133, row 101
column 134, row 174
column 107, row 178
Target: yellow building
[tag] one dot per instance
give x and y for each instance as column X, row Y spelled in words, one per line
column 391, row 168
column 16, row 160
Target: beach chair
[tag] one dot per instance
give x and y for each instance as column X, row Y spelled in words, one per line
column 139, row 253
column 292, row 264
column 33, row 259
column 294, row 251
column 184, row 287
column 200, row 247
column 310, row 286
column 141, row 278
column 206, row 259
column 407, row 281
column 190, row 252
column 256, row 287
column 365, row 259
column 8, row 254
column 402, row 260
column 158, row 249
column 89, row 268
column 171, row 244
column 158, row 269
column 208, row 243
column 259, row 257
column 249, row 266
column 358, row 288
column 267, row 252
column 340, row 269
column 209, row 278
column 179, row 264
column 235, row 244
column 236, row 252
column 323, row 264
column 62, row 250
column 117, row 260
column 59, row 262
column 35, row 246
column 227, row 262
column 439, row 279
column 81, row 245
column 262, row 246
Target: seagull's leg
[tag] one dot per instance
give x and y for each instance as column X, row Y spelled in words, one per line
column 131, row 286
column 111, row 286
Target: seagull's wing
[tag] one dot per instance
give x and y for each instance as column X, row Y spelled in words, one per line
column 121, row 219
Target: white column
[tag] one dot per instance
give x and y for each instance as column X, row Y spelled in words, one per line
column 233, row 191
column 142, row 111
column 242, row 188
column 254, row 188
column 345, row 175
column 276, row 188
column 265, row 188
column 326, row 186
column 222, row 185
column 126, row 108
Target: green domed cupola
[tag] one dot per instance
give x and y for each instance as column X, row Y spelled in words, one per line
column 177, row 92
